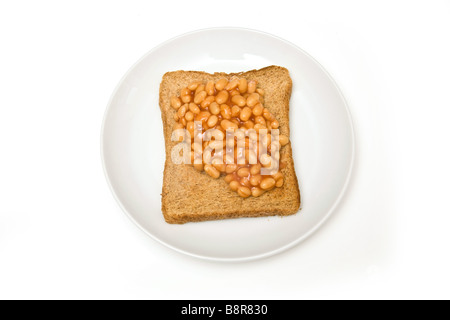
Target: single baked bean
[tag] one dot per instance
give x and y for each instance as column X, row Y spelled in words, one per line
column 190, row 128
column 265, row 160
column 225, row 111
column 222, row 97
column 210, row 89
column 238, row 100
column 245, row 114
column 234, row 185
column 244, row 192
column 279, row 183
column 226, row 124
column 229, row 178
column 219, row 166
column 199, row 97
column 275, row 124
column 230, row 168
column 182, row 111
column 257, row 109
column 214, row 108
column 284, row 140
column 186, row 99
column 194, row 85
column 235, row 111
column 177, row 126
column 252, row 99
column 176, row 117
column 243, row 172
column 251, row 87
column 267, row 114
column 200, row 88
column 242, row 85
column 221, row 84
column 256, row 192
column 260, row 92
column 212, row 121
column 194, row 108
column 249, row 124
column 189, row 116
column 260, row 120
column 255, row 169
column 267, row 183
column 175, row 102
column 185, row 92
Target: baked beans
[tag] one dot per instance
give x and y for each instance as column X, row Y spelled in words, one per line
column 236, row 104
column 212, row 171
column 251, row 87
column 210, row 88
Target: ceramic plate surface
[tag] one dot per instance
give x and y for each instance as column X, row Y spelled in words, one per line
column 321, row 134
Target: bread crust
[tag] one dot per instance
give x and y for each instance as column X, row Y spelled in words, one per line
column 192, row 196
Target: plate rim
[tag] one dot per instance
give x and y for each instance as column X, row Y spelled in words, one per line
column 252, row 257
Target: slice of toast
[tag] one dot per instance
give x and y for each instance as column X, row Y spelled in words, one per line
column 189, row 195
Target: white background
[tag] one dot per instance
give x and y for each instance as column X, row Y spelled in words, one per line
column 62, row 235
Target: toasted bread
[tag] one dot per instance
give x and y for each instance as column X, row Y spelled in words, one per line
column 189, row 195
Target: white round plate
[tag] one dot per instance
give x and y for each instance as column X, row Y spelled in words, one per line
column 321, row 134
